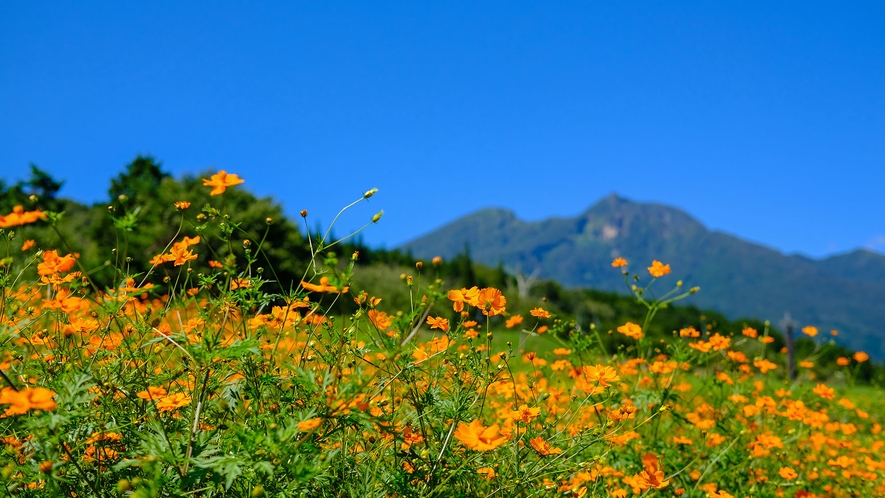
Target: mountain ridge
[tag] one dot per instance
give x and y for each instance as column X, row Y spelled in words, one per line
column 737, row 277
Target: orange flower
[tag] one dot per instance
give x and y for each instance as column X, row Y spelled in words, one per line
column 750, row 332
column 380, row 319
column 438, row 323
column 220, row 181
column 766, row 339
column 28, row 244
column 540, row 313
column 524, row 413
column 491, row 301
column 658, row 269
column 513, row 321
column 309, row 424
column 843, row 361
column 478, row 437
column 861, row 357
column 182, row 205
column 543, row 447
column 53, row 263
column 788, row 473
column 764, row 365
column 824, row 392
column 323, row 286
column 459, row 297
column 619, row 262
column 809, row 331
column 602, row 375
column 180, row 254
column 173, row 402
column 19, row 216
column 689, row 332
column 487, row 473
column 152, row 393
column 29, row 398
column 631, row 329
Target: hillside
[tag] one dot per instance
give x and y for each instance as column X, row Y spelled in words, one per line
column 736, row 277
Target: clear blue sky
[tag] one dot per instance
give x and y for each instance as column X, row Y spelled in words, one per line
column 765, row 119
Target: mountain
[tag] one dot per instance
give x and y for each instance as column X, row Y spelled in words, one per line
column 739, row 278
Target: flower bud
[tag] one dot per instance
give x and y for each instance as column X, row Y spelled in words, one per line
column 377, row 216
column 419, row 265
column 303, row 213
column 370, row 193
column 437, row 260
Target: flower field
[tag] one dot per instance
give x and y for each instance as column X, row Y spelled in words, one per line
column 229, row 382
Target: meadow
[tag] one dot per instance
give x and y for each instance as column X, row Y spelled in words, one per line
column 226, row 380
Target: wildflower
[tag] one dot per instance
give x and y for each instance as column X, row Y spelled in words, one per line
column 380, row 319
column 809, row 331
column 601, row 375
column 173, row 402
column 562, row 351
column 806, row 364
column 788, row 473
column 658, row 269
column 220, row 181
column 543, row 447
column 764, row 365
column 525, row 414
column 323, row 286
column 28, row 244
column 476, row 436
column 540, row 313
column 491, row 301
column 180, row 254
column 459, row 297
column 239, row 283
column 843, row 361
column 182, row 205
column 27, row 399
column 619, row 262
column 410, row 438
column 438, row 323
column 513, row 321
column 19, row 216
column 824, row 392
column 767, row 339
column 689, row 332
column 631, row 329
column 152, row 393
column 309, row 424
column 53, row 264
column 861, row 357
column 718, row 342
column 750, row 332
column 487, row 473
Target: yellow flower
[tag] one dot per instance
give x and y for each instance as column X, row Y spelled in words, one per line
column 619, row 262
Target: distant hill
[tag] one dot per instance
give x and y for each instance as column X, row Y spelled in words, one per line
column 739, row 278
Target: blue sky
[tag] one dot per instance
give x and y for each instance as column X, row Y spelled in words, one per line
column 764, row 119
